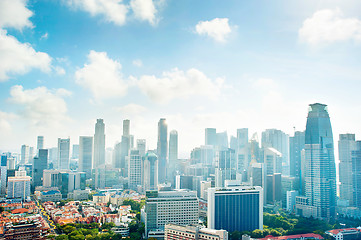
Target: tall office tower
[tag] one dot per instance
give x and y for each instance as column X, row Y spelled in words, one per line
column 40, row 164
column 225, row 166
column 297, row 144
column 126, row 127
column 3, row 177
column 19, row 187
column 272, row 160
column 173, row 155
column 278, row 140
column 134, row 170
column 242, row 150
column 40, row 144
column 162, row 148
column 24, row 157
column 31, row 155
column 320, row 171
column 238, row 208
column 117, row 155
column 273, row 191
column 207, row 155
column 99, row 144
column 169, row 207
column 53, row 157
column 233, row 143
column 257, row 174
column 211, row 137
column 75, row 152
column 177, row 231
column 255, row 151
column 63, row 154
column 86, row 155
column 150, row 171
column 141, row 146
column 346, row 149
column 222, row 140
column 356, row 166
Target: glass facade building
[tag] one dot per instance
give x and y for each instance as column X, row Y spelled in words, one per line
column 235, row 208
column 320, row 170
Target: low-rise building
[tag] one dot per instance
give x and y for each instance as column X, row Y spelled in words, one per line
column 53, row 196
column 345, row 234
column 192, row 232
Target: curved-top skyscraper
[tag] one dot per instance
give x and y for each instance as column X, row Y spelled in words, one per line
column 320, row 170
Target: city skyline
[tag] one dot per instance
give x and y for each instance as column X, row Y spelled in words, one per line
column 260, row 71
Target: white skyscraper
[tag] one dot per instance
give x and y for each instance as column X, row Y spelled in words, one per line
column 173, row 147
column 86, row 155
column 134, row 170
column 99, row 144
column 63, row 153
column 19, row 187
column 24, row 157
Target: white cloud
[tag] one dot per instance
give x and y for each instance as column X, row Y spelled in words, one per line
column 20, row 58
column 102, row 76
column 137, row 63
column 144, row 10
column 218, row 29
column 112, row 10
column 5, row 118
column 59, row 70
column 43, row 107
column 329, row 26
column 179, row 84
column 131, row 109
column 14, row 14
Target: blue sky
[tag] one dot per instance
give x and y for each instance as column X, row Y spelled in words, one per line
column 224, row 64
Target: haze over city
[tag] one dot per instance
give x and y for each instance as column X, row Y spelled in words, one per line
column 228, row 65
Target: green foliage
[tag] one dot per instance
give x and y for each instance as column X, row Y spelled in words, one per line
column 108, row 226
column 1, row 209
column 136, row 206
column 62, row 237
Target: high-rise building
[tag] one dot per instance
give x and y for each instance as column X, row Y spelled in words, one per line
column 134, row 170
column 24, row 157
column 162, row 149
column 297, row 144
column 117, row 155
column 222, row 140
column 86, row 155
column 242, row 150
column 211, row 137
column 273, row 190
column 278, row 140
column 40, row 164
column 150, row 171
column 40, row 144
column 99, row 144
column 346, row 147
column 238, row 208
column 19, row 187
column 3, row 182
column 63, row 154
column 161, row 208
column 225, row 166
column 53, row 157
column 320, row 171
column 272, row 160
column 141, row 146
column 126, row 127
column 173, row 147
column 75, row 152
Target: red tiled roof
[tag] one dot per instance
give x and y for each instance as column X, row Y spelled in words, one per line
column 19, row 211
column 270, row 237
column 336, row 231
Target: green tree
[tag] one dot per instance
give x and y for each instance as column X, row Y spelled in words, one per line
column 62, row 237
column 108, row 226
column 236, row 235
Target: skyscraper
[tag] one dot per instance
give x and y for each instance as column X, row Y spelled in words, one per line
column 99, row 144
column 141, row 146
column 134, row 170
column 40, row 164
column 63, row 153
column 225, row 166
column 297, row 143
column 173, row 148
column 126, row 127
column 242, row 150
column 211, row 137
column 125, row 147
column 320, row 171
column 162, row 149
column 150, row 171
column 86, row 155
column 40, row 144
column 24, row 157
column 278, row 140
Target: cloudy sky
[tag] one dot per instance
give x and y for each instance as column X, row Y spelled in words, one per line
column 225, row 64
